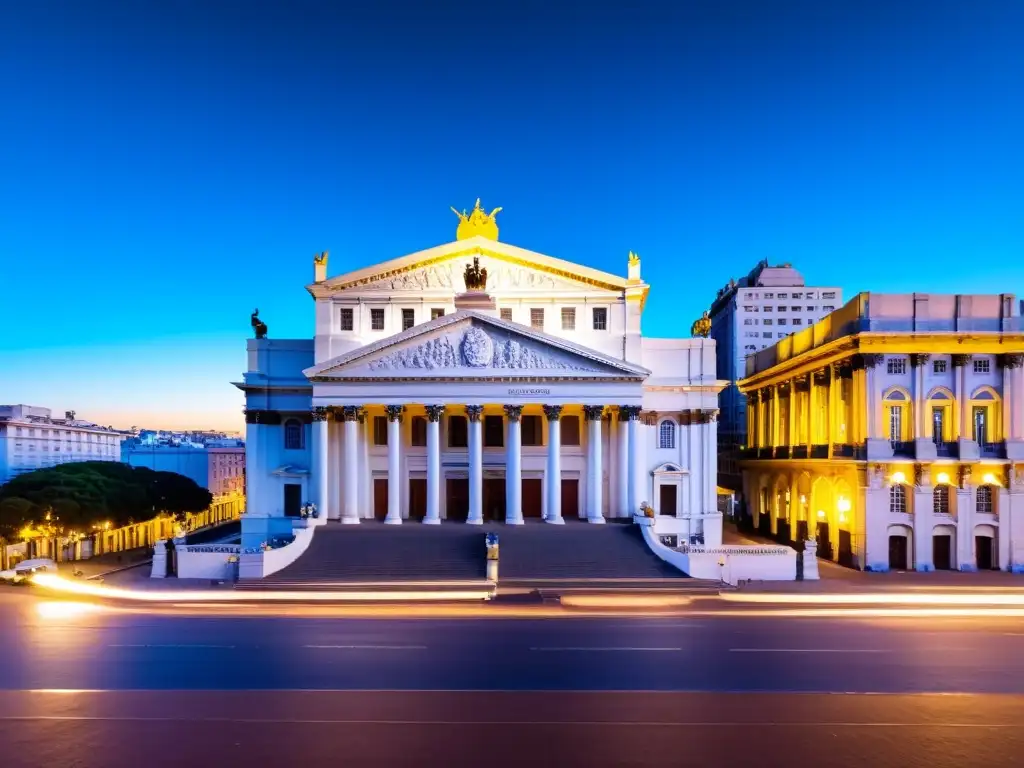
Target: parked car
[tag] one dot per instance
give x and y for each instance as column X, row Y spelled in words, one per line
column 23, row 570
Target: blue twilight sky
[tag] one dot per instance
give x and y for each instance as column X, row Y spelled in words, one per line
column 167, row 166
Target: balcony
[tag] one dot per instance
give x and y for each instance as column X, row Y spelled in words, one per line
column 992, row 450
column 902, row 449
column 819, row 451
column 842, row 451
column 799, row 452
column 782, row 452
column 944, row 450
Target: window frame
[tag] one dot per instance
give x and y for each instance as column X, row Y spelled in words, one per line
column 293, row 428
column 667, row 435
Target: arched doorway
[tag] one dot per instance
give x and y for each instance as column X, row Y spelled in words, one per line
column 944, row 547
column 986, row 551
column 901, row 548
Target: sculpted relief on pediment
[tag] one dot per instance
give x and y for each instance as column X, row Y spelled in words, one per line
column 500, row 276
column 475, row 349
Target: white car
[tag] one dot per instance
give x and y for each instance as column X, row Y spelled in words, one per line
column 26, row 568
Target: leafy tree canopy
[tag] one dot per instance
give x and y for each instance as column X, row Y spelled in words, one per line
column 79, row 495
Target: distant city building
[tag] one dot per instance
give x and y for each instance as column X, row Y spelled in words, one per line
column 218, row 468
column 893, row 433
column 747, row 316
column 30, row 438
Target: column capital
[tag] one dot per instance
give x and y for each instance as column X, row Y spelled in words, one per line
column 821, row 376
column 474, row 412
column 629, row 412
column 348, row 413
column 918, row 359
column 593, row 412
column 553, row 412
column 650, row 418
column 395, row 412
column 362, row 414
column 434, row 412
column 1011, row 361
column 959, row 361
column 964, row 475
column 802, row 383
column 868, row 360
column 686, row 418
column 319, row 413
column 513, row 412
column 707, row 416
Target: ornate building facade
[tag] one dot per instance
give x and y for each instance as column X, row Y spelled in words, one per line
column 893, row 432
column 477, row 381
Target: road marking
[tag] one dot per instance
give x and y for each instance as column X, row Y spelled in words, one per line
column 166, row 645
column 807, row 650
column 371, row 647
column 587, row 648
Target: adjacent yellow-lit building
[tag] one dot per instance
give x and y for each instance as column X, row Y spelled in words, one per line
column 892, row 431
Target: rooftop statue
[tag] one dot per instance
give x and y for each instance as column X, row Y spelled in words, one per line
column 258, row 325
column 475, row 276
column 476, row 222
column 702, row 326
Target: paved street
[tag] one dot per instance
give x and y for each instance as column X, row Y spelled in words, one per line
column 101, row 687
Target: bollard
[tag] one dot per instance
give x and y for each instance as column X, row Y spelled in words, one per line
column 491, row 541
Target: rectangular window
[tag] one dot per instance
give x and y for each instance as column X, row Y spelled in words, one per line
column 506, row 314
column 436, row 312
column 981, row 366
column 537, row 319
column 570, row 430
column 940, row 500
column 346, row 318
column 828, row 294
column 767, row 321
column 769, row 295
column 828, row 308
column 458, row 432
column 377, row 319
column 783, row 295
column 494, row 431
column 938, row 366
column 419, row 431
column 981, row 425
column 380, row 430
column 766, row 335
column 797, row 321
column 568, row 319
column 798, row 295
column 895, row 423
column 748, row 321
column 408, row 319
column 794, row 309
column 896, row 366
column 600, row 318
column 812, row 309
column 782, row 308
column 769, row 309
column 782, row 321
column 810, row 295
column 531, row 430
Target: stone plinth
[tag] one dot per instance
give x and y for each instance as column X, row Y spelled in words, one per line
column 478, row 300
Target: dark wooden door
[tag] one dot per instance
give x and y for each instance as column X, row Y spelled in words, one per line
column 984, row 552
column 532, row 497
column 898, row 553
column 824, row 541
column 942, row 552
column 380, row 498
column 571, row 499
column 494, row 499
column 845, row 549
column 667, row 500
column 417, row 498
column 457, row 499
column 292, row 499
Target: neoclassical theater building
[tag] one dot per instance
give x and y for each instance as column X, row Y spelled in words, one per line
column 474, row 382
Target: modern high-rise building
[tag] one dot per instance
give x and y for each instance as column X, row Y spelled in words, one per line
column 748, row 315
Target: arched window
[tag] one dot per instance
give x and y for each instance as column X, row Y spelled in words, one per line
column 293, row 435
column 667, row 434
column 940, row 500
column 983, row 500
column 898, row 498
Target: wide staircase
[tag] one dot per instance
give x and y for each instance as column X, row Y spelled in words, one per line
column 534, row 558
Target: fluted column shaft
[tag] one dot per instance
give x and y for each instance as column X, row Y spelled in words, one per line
column 476, row 464
column 320, row 461
column 350, row 474
column 595, row 471
column 433, row 464
column 394, row 516
column 513, row 467
column 554, row 465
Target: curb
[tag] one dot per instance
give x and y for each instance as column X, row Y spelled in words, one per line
column 119, row 570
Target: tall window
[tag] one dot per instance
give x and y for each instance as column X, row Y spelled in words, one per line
column 983, row 500
column 537, row 319
column 895, row 423
column 896, row 365
column 568, row 319
column 981, row 425
column 293, row 435
column 898, row 498
column 408, row 319
column 570, row 430
column 938, row 419
column 940, row 500
column 377, row 319
column 380, row 430
column 506, row 314
column 531, row 431
column 667, row 434
column 419, row 431
column 458, row 432
column 346, row 318
column 494, row 431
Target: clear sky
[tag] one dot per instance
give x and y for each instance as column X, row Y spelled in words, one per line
column 166, row 167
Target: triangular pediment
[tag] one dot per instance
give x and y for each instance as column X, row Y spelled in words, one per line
column 509, row 268
column 471, row 345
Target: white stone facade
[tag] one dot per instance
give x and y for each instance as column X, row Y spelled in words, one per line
column 536, row 396
column 30, row 438
column 895, row 430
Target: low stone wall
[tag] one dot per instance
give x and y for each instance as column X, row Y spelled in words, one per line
column 207, row 561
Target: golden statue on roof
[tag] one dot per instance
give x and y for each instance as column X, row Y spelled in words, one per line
column 477, row 222
column 702, row 326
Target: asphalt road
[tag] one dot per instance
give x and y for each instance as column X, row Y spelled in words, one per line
column 119, row 688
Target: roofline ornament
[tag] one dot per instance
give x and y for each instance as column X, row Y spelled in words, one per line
column 477, row 223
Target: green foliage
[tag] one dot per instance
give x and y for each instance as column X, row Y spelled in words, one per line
column 82, row 494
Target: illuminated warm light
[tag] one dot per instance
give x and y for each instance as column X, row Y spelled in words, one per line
column 66, row 609
column 898, row 477
column 843, row 505
column 881, row 598
column 989, row 479
column 624, row 601
column 803, row 499
column 60, row 584
column 821, row 514
column 943, row 477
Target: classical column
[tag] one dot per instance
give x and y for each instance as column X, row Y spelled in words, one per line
column 476, row 464
column 963, row 397
column 917, row 364
column 320, row 461
column 791, row 423
column 513, row 468
column 394, row 412
column 595, row 471
column 365, row 475
column 874, row 416
column 553, row 475
column 350, row 509
column 709, row 472
column 433, row 464
column 1013, row 396
column 622, row 463
column 632, row 413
